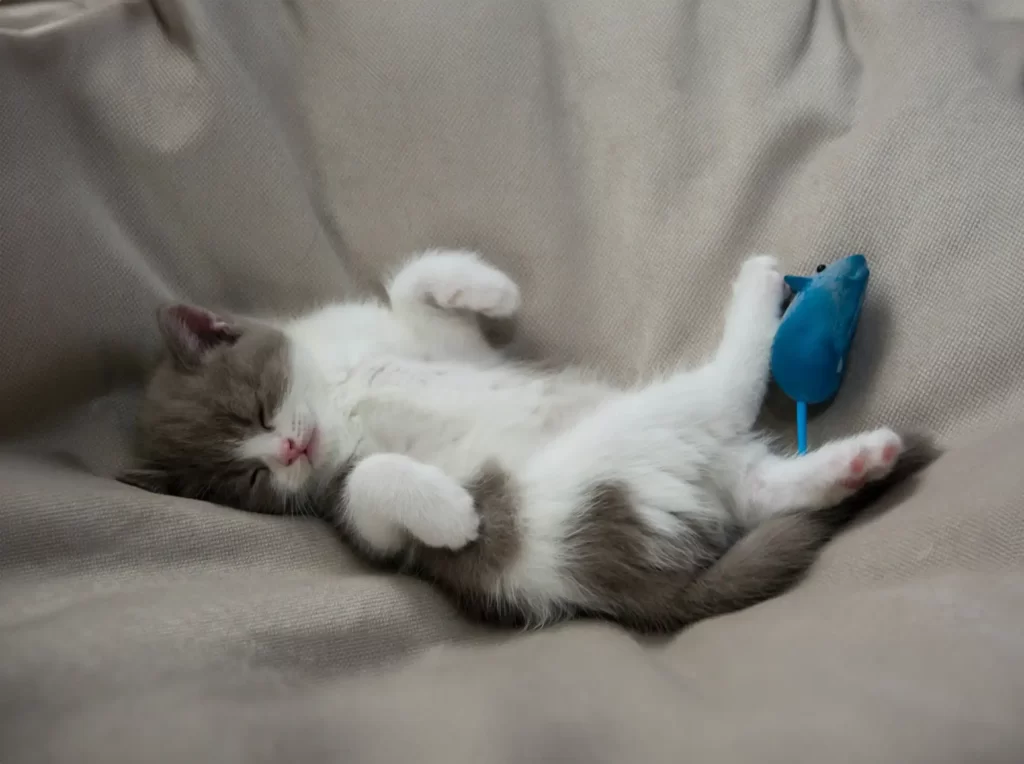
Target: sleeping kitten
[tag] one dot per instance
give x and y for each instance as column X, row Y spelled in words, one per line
column 528, row 496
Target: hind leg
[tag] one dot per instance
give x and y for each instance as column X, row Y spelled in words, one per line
column 724, row 396
column 741, row 366
column 676, row 435
column 819, row 479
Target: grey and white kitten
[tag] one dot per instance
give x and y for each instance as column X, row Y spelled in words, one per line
column 528, row 496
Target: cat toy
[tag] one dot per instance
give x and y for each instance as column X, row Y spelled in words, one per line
column 813, row 339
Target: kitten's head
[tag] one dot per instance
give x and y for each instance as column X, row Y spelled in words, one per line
column 229, row 416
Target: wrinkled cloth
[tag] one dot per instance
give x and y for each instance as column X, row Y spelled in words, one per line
column 620, row 158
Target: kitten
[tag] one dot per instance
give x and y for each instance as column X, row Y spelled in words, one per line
column 527, row 496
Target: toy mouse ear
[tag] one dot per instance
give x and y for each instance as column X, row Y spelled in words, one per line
column 190, row 332
column 796, row 283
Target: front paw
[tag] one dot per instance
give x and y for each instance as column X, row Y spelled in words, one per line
column 417, row 497
column 495, row 300
column 453, row 523
column 460, row 280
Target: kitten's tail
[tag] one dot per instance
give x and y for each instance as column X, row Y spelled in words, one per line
column 778, row 552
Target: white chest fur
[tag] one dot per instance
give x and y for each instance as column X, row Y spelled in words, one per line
column 455, row 415
column 384, row 388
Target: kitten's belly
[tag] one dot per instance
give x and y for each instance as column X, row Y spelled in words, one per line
column 456, row 416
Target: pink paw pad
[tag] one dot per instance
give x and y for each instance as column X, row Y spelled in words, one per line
column 890, row 452
column 855, row 472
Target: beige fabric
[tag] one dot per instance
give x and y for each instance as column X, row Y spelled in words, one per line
column 620, row 158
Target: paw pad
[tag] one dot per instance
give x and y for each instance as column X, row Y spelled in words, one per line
column 890, row 452
column 873, row 458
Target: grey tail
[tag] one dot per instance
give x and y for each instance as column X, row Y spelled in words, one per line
column 776, row 554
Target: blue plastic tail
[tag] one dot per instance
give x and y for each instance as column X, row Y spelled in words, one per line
column 801, row 427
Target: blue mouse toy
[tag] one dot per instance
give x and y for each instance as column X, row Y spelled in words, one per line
column 813, row 339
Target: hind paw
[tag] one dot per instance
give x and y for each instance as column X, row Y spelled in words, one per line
column 759, row 280
column 821, row 478
column 868, row 457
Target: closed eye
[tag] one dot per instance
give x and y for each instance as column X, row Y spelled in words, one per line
column 254, row 476
column 264, row 422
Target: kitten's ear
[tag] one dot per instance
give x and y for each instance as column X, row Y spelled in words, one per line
column 191, row 332
column 154, row 481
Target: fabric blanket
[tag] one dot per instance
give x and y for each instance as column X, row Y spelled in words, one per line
column 620, row 158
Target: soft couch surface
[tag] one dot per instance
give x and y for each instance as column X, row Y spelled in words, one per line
column 620, row 158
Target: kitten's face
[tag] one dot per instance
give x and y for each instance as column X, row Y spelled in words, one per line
column 228, row 418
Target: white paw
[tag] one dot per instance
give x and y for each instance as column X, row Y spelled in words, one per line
column 457, row 280
column 868, row 457
column 759, row 281
column 498, row 300
column 452, row 522
column 392, row 491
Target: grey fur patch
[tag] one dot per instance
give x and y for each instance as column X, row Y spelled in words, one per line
column 652, row 596
column 210, row 392
column 471, row 575
column 632, row 573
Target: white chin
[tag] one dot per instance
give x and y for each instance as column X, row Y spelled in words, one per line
column 294, row 479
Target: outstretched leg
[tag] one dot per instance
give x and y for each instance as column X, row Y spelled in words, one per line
column 390, row 495
column 724, row 396
column 434, row 292
column 742, row 365
column 819, row 479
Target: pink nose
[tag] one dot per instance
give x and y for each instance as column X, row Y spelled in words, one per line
column 292, row 451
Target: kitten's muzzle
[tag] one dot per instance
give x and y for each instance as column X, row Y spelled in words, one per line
column 292, row 450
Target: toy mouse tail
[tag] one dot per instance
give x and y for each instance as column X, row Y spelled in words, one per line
column 801, row 427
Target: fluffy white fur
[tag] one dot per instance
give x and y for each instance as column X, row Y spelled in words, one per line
column 414, row 396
